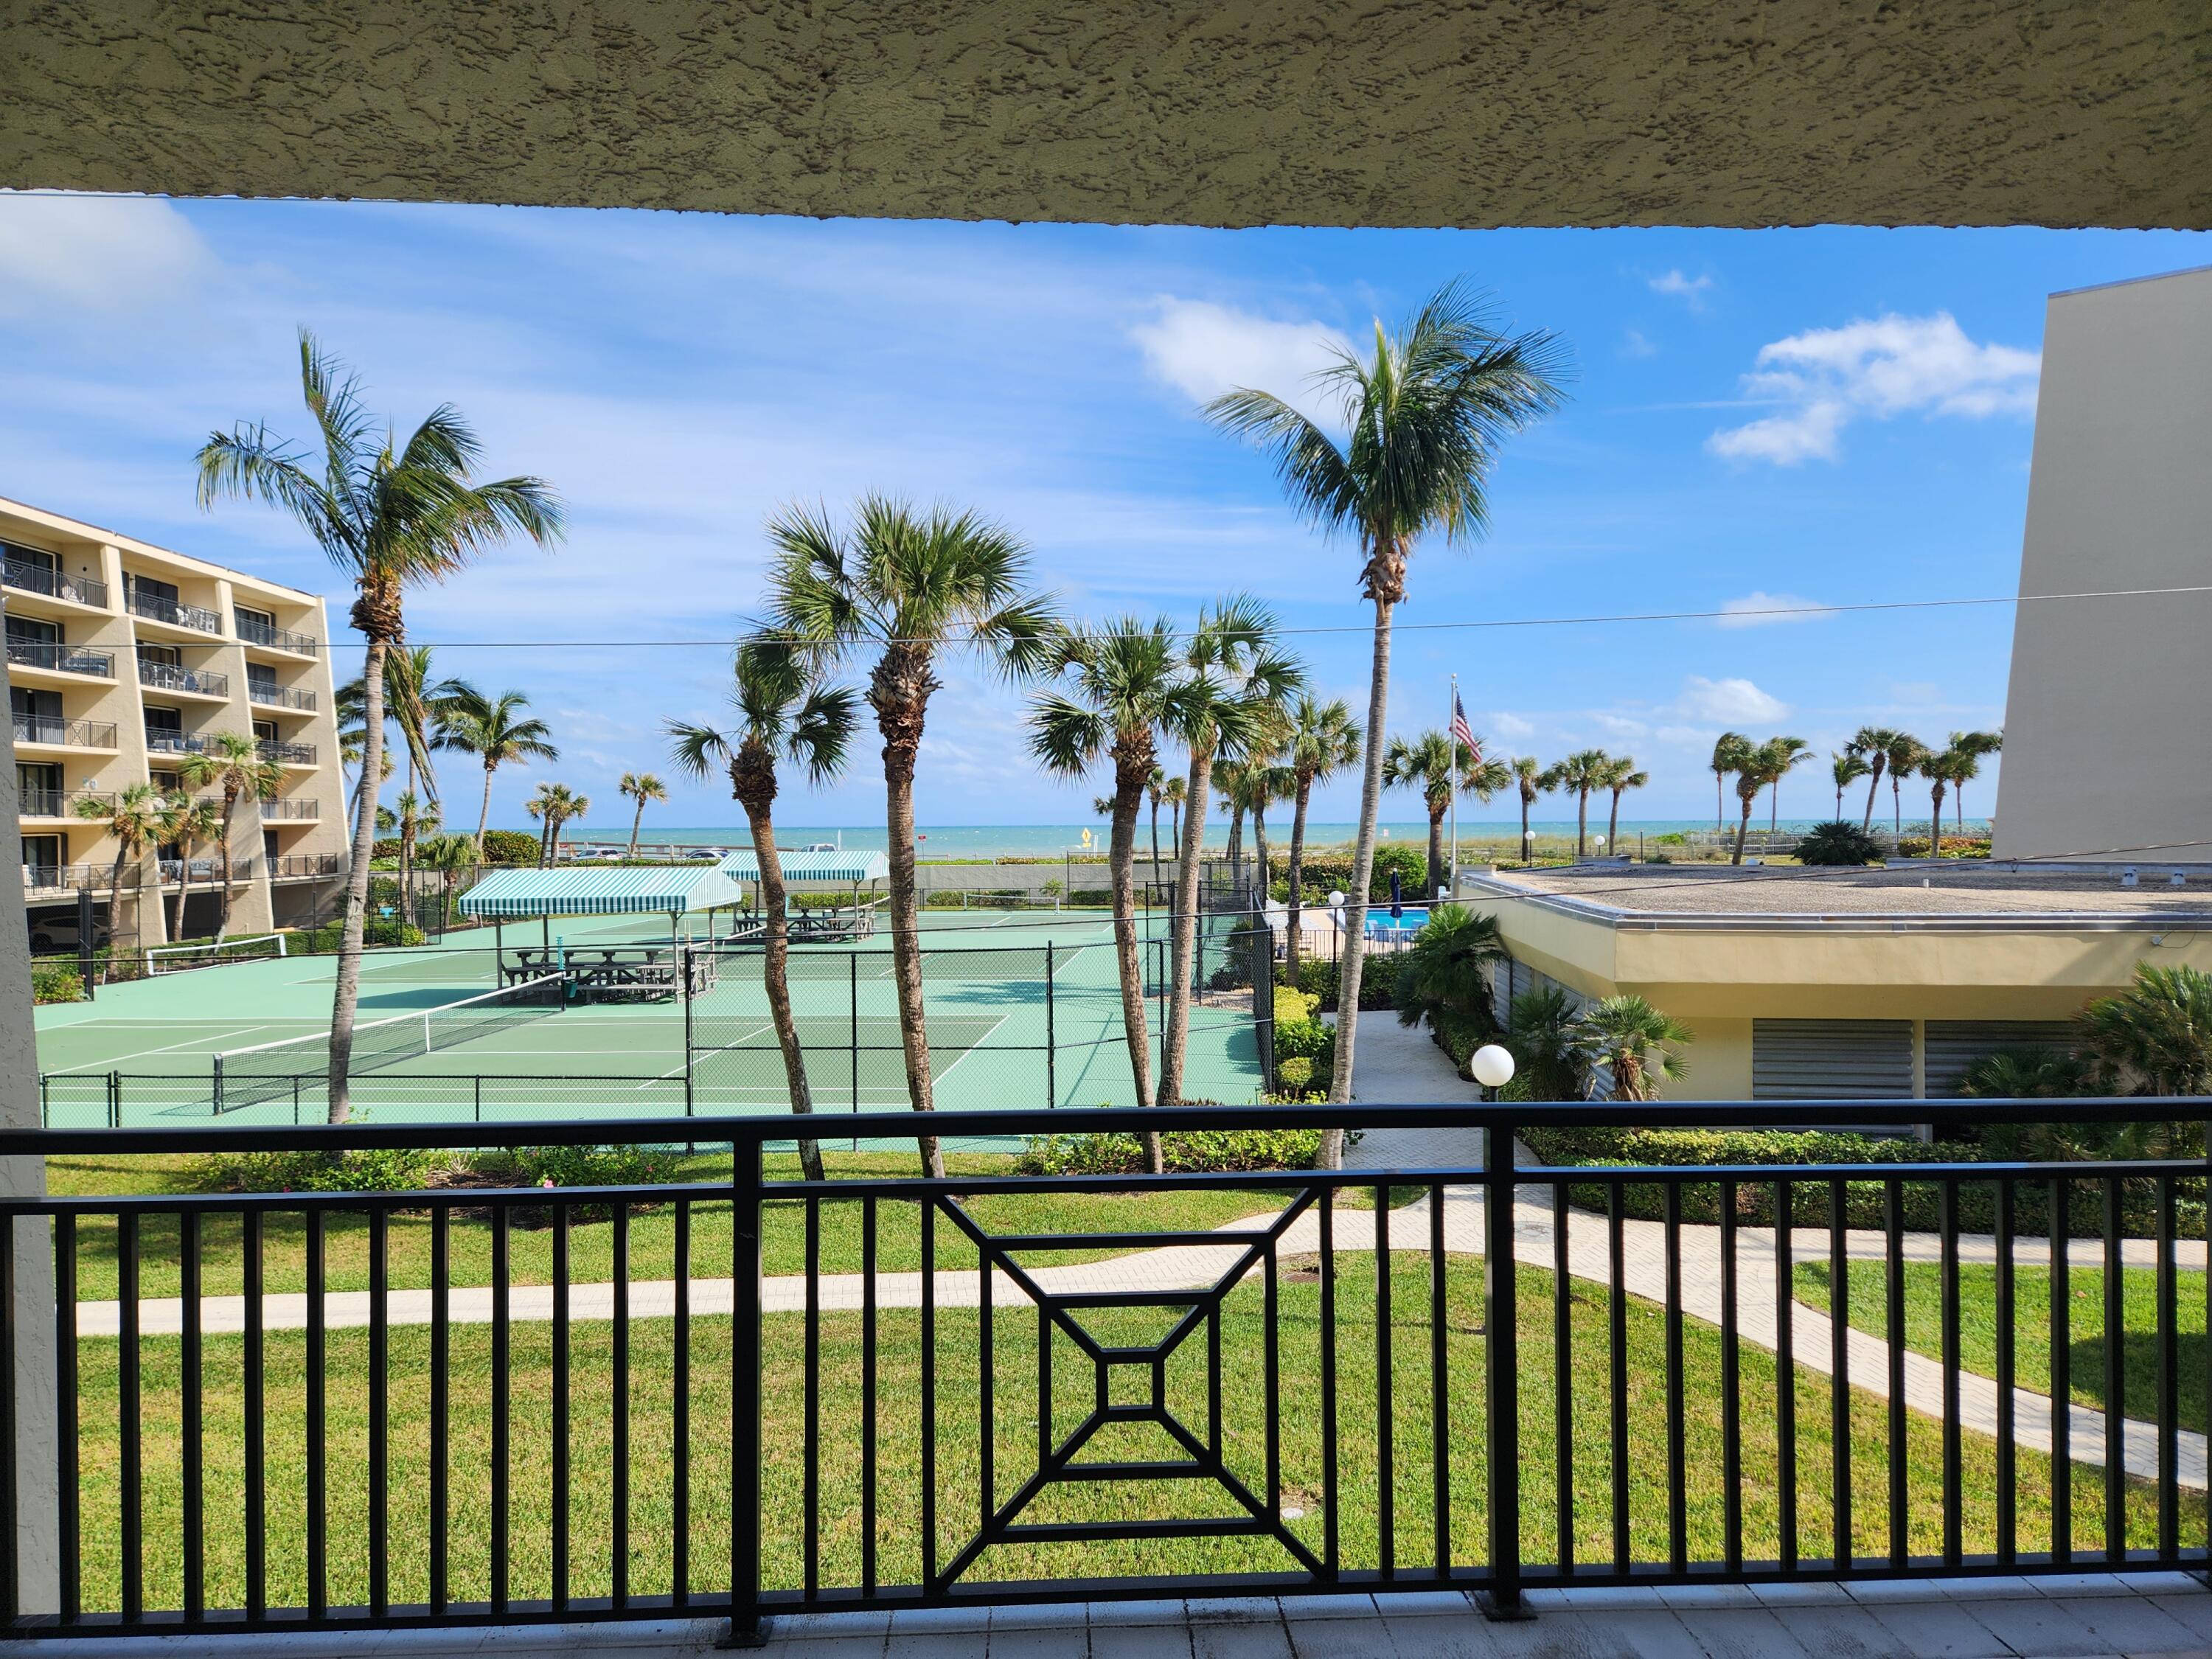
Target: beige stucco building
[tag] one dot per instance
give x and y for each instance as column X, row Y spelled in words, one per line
column 122, row 659
column 1843, row 984
column 2108, row 724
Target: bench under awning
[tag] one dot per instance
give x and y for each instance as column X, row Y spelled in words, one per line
column 665, row 891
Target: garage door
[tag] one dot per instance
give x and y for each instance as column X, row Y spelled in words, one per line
column 1955, row 1044
column 1831, row 1059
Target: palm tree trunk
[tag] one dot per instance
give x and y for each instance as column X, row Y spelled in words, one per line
column 1613, row 827
column 1260, row 858
column 1773, row 807
column 1743, row 826
column 1351, row 939
column 1297, row 873
column 483, row 813
column 1183, row 924
column 345, row 997
column 1528, row 852
column 637, row 819
column 1120, row 876
column 222, row 900
column 775, row 977
column 115, row 898
column 184, row 888
column 1436, row 850
column 1935, row 819
column 1582, row 825
column 899, row 751
column 1874, row 783
column 1235, row 836
column 1156, row 842
column 1718, row 806
column 1896, row 806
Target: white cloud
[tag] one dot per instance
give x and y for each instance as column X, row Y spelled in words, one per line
column 1512, row 727
column 1760, row 609
column 1730, row 701
column 1826, row 378
column 1204, row 350
column 1635, row 344
column 1691, row 290
column 1621, row 726
column 98, row 253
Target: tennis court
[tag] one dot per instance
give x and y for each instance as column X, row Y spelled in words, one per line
column 1022, row 1007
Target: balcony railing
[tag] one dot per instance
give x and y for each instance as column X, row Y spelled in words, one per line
column 279, row 696
column 155, row 608
column 54, row 584
column 61, row 880
column 290, row 754
column 61, row 658
column 1550, row 1375
column 75, row 734
column 302, row 864
column 169, row 676
column 204, row 869
column 59, row 803
column 293, row 808
column 175, row 743
column 254, row 632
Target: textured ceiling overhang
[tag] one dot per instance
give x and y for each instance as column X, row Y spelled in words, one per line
column 1252, row 112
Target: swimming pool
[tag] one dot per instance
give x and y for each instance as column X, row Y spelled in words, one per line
column 1380, row 921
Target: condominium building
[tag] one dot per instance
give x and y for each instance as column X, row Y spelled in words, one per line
column 123, row 659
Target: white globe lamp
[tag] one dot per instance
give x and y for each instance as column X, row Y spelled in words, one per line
column 1491, row 1066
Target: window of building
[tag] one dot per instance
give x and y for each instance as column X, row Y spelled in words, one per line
column 42, row 852
column 149, row 588
column 166, row 656
column 32, row 631
column 159, row 718
column 265, row 730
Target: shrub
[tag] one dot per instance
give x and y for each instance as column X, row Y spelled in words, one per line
column 1305, row 1039
column 1839, row 844
column 1672, row 838
column 510, row 847
column 1412, row 863
column 1294, row 1075
column 372, row 1170
column 1460, row 1034
column 51, row 982
column 1378, row 981
column 1193, row 1151
column 1293, row 1004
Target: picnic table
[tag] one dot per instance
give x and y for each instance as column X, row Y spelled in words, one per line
column 607, row 973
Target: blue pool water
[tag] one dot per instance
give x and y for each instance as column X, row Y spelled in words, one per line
column 1380, row 921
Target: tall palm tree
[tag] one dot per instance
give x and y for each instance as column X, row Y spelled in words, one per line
column 416, row 818
column 1236, row 680
column 1172, row 795
column 909, row 589
column 1227, row 781
column 1426, row 415
column 1581, row 772
column 1639, row 1043
column 1872, row 744
column 1622, row 774
column 188, row 823
column 1431, row 763
column 414, row 701
column 784, row 714
column 1324, row 740
column 497, row 734
column 554, row 805
column 1847, row 765
column 539, row 807
column 1121, row 684
column 640, row 787
column 390, row 520
column 1787, row 752
column 1967, row 752
column 1906, row 754
column 1729, row 751
column 1529, row 775
column 1762, row 768
column 231, row 765
column 450, row 856
column 1156, row 786
column 133, row 819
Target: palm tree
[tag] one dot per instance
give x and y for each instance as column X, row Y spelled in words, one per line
column 1580, row 773
column 1226, row 779
column 133, row 819
column 1445, row 970
column 1847, row 765
column 1530, row 779
column 1426, row 415
column 1872, row 744
column 416, row 818
column 2155, row 1038
column 1757, row 769
column 390, row 520
column 1121, row 685
column 234, row 765
column 1621, row 775
column 553, row 805
column 909, row 588
column 1729, row 751
column 784, row 713
column 1549, row 1044
column 496, row 734
column 1324, row 740
column 1906, row 754
column 1172, row 795
column 414, row 701
column 1639, row 1043
column 1967, row 752
column 1156, row 786
column 539, row 807
column 1431, row 763
column 1784, row 753
column 640, row 787
column 450, row 856
column 187, row 823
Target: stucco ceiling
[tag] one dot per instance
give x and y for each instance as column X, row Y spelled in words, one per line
column 1249, row 111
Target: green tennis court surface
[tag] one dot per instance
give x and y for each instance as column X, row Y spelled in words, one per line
column 999, row 1037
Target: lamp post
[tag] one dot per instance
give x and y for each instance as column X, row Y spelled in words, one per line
column 1491, row 1066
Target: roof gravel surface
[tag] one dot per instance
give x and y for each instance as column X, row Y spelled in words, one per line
column 1957, row 891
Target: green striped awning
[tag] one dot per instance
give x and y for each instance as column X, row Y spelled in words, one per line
column 623, row 890
column 811, row 866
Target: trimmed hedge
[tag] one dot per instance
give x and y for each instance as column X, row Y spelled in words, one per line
column 1378, row 980
column 509, row 847
column 1187, row 1152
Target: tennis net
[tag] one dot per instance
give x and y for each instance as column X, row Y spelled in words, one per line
column 175, row 959
column 268, row 1070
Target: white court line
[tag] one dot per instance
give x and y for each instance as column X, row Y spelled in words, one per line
column 940, row 1076
column 114, row 1063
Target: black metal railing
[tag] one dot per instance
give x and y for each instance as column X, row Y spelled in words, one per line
column 293, row 754
column 74, row 734
column 255, row 632
column 171, row 677
column 54, row 584
column 274, row 696
column 161, row 741
column 60, row 658
column 292, row 808
column 303, row 864
column 59, row 803
column 157, row 607
column 66, row 878
column 743, row 1395
column 174, row 870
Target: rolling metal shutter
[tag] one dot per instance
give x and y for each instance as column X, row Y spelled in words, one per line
column 1831, row 1059
column 1953, row 1045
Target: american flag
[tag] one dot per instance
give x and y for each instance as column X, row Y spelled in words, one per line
column 1462, row 733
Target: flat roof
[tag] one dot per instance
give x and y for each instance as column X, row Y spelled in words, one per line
column 1994, row 892
column 60, row 524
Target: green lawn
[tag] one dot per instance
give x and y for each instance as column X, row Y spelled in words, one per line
column 1014, row 1369
column 1977, row 1327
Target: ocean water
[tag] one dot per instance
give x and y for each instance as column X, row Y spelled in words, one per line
column 1001, row 840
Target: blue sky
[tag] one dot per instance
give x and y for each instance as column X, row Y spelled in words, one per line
column 1832, row 416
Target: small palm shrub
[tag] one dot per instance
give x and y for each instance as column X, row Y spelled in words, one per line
column 1445, row 971
column 1837, row 843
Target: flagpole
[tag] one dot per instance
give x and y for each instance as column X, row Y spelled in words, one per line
column 1451, row 739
